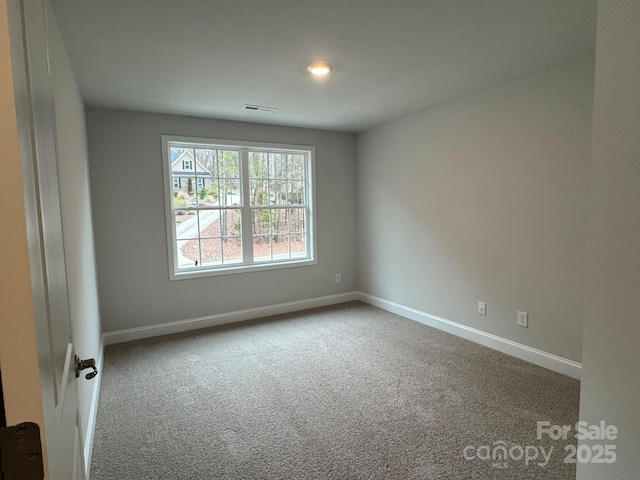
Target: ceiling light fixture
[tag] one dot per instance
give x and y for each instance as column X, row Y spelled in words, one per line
column 320, row 69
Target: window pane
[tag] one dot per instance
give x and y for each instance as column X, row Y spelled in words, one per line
column 211, row 251
column 297, row 229
column 280, row 247
column 232, row 249
column 279, row 221
column 295, row 167
column 261, row 248
column 229, row 224
column 206, row 165
column 266, row 223
column 183, row 176
column 221, row 250
column 178, row 154
column 186, row 222
column 228, row 164
column 297, row 220
column 259, row 192
column 185, row 193
column 271, row 238
column 186, row 196
column 296, row 195
column 261, row 221
column 230, row 192
column 188, row 253
column 174, row 152
column 208, row 194
column 277, row 165
column 180, row 196
column 278, row 192
column 280, row 233
column 208, row 223
column 217, row 223
column 258, row 165
column 298, row 245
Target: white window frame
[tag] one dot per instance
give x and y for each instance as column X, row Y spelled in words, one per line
column 187, row 165
column 199, row 183
column 248, row 264
column 174, row 183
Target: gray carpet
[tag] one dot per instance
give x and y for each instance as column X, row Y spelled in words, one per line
column 344, row 392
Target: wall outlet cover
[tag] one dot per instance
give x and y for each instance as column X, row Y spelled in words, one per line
column 523, row 319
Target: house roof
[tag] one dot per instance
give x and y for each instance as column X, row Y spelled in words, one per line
column 178, row 171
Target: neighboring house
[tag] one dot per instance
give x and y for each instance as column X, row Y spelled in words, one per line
column 185, row 167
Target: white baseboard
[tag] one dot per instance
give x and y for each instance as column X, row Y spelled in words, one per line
column 121, row 336
column 93, row 411
column 538, row 357
column 518, row 350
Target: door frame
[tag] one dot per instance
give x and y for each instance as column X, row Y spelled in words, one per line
column 19, row 302
column 29, row 379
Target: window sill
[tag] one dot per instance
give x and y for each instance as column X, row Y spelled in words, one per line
column 256, row 267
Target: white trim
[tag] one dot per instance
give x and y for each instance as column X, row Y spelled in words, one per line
column 244, row 268
column 189, row 142
column 93, row 411
column 62, row 387
column 533, row 355
column 121, row 336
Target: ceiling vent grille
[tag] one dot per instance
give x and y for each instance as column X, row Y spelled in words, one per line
column 258, row 108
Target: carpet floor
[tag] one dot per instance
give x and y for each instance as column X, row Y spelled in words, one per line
column 343, row 392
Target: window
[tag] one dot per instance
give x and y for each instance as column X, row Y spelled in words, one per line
column 187, row 165
column 176, row 182
column 247, row 206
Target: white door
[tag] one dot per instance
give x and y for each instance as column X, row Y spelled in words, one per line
column 28, row 20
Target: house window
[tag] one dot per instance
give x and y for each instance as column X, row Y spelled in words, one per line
column 248, row 206
column 176, row 182
column 187, row 165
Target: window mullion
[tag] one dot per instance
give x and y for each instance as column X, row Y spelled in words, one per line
column 199, row 261
column 246, row 213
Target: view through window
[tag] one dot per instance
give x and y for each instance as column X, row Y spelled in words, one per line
column 233, row 207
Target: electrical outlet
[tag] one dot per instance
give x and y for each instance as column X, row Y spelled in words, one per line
column 523, row 319
column 338, row 278
column 482, row 308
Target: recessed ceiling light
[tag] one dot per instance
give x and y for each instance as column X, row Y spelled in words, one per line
column 320, row 69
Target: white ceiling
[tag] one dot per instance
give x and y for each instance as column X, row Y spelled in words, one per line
column 390, row 58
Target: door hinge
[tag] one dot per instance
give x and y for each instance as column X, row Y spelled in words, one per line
column 21, row 452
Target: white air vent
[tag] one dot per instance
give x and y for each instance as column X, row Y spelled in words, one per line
column 258, row 108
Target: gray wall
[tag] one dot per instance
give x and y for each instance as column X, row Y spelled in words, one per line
column 484, row 199
column 131, row 238
column 610, row 380
column 75, row 202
